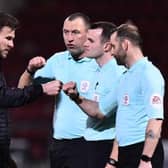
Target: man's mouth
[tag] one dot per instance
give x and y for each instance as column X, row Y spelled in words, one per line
column 71, row 46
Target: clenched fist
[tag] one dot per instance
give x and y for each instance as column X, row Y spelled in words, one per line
column 52, row 88
column 36, row 63
column 70, row 90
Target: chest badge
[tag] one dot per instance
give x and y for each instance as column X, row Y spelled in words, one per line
column 126, row 99
column 84, row 86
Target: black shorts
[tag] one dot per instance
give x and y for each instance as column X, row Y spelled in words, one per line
column 129, row 156
column 68, row 153
column 98, row 153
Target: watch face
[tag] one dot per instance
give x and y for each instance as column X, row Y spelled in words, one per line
column 145, row 158
column 112, row 162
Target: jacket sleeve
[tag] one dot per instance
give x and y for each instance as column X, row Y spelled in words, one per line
column 14, row 97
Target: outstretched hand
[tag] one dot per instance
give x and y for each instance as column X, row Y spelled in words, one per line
column 52, row 88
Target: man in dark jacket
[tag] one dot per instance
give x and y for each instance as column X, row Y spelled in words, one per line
column 14, row 97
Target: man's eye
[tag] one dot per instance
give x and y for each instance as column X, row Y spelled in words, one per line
column 65, row 31
column 75, row 32
column 9, row 38
column 90, row 40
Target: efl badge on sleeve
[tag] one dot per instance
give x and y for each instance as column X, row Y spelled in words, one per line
column 156, row 100
column 84, row 86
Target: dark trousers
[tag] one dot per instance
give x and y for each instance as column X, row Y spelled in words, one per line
column 98, row 153
column 129, row 156
column 5, row 160
column 68, row 153
column 4, row 156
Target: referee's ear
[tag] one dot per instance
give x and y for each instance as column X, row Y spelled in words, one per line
column 107, row 47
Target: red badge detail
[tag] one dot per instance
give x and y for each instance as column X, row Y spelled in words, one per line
column 156, row 100
column 126, row 99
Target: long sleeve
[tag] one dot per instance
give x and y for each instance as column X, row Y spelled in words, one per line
column 14, row 97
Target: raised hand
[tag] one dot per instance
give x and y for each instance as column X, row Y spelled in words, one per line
column 36, row 63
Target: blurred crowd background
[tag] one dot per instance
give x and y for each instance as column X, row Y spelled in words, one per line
column 40, row 33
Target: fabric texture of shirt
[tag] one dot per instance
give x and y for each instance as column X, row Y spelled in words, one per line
column 69, row 121
column 140, row 98
column 106, row 80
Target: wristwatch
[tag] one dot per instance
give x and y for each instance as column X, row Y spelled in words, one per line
column 146, row 158
column 112, row 162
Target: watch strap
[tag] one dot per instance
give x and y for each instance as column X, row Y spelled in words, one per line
column 146, row 158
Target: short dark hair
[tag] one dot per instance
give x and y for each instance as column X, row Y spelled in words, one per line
column 129, row 31
column 8, row 20
column 84, row 17
column 107, row 29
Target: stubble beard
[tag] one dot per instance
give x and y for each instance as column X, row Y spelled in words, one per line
column 76, row 54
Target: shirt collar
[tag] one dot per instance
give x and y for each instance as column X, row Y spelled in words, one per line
column 84, row 59
column 111, row 63
column 92, row 66
column 139, row 62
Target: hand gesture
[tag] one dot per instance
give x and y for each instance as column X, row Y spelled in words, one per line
column 52, row 88
column 70, row 90
column 36, row 63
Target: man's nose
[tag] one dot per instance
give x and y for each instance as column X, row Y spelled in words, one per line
column 11, row 44
column 70, row 37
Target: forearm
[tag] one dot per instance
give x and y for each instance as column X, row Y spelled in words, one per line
column 14, row 97
column 25, row 79
column 114, row 152
column 90, row 107
column 113, row 158
column 33, row 65
column 153, row 132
